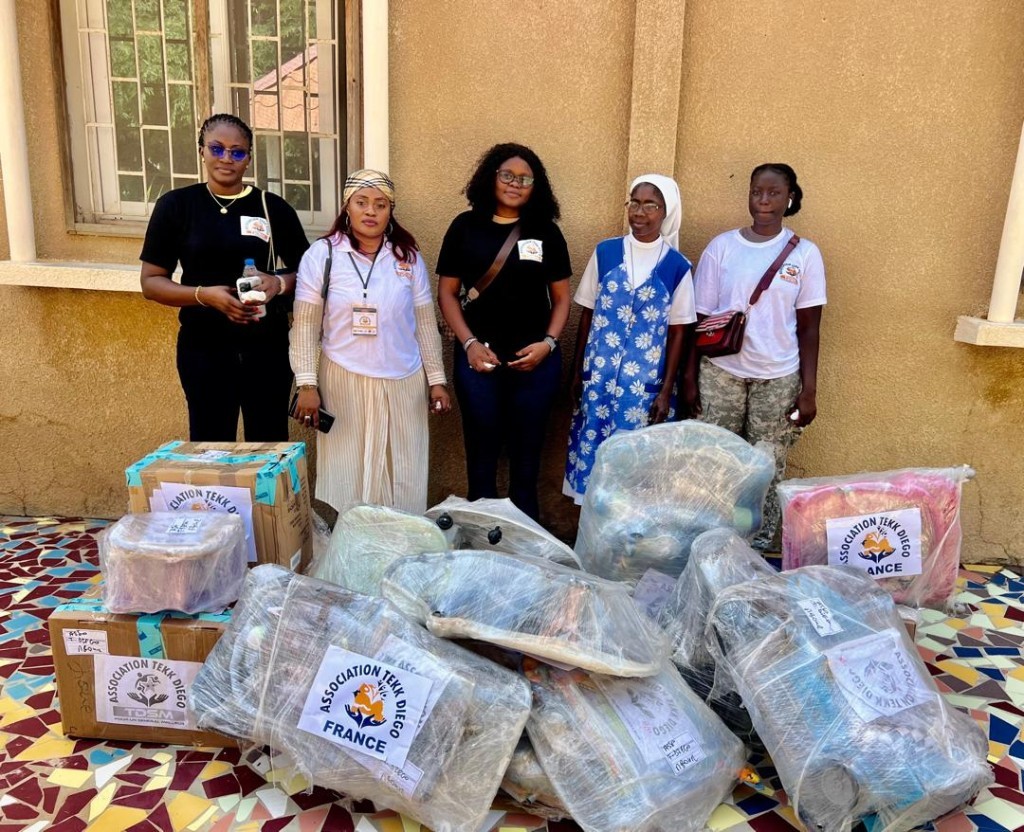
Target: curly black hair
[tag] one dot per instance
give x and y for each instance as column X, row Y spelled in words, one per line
column 224, row 118
column 786, row 171
column 479, row 191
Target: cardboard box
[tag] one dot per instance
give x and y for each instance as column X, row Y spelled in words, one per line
column 127, row 677
column 266, row 484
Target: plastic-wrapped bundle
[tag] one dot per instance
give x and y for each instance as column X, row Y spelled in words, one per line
column 843, row 703
column 497, row 525
column 362, row 700
column 527, row 784
column 367, row 539
column 902, row 527
column 530, row 605
column 719, row 559
column 652, row 491
column 190, row 561
column 631, row 755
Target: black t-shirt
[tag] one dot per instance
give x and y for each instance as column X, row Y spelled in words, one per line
column 187, row 227
column 516, row 308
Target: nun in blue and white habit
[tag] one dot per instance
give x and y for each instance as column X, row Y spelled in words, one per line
column 637, row 299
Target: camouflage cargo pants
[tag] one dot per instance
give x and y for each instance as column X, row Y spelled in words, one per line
column 758, row 410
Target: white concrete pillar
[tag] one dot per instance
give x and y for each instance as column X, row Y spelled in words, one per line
column 21, row 234
column 1006, row 286
column 376, row 149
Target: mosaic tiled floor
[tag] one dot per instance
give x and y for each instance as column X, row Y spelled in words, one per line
column 64, row 785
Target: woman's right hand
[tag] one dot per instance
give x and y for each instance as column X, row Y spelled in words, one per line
column 691, row 397
column 224, row 300
column 482, row 358
column 307, row 408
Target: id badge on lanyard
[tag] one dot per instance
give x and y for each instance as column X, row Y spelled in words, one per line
column 364, row 314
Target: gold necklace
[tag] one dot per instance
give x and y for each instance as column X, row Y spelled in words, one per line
column 231, row 199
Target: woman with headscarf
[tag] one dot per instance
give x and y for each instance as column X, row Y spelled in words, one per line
column 637, row 299
column 375, row 335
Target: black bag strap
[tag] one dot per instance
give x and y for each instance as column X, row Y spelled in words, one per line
column 499, row 261
column 272, row 258
column 773, row 269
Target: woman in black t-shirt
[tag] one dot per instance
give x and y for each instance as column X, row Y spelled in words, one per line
column 507, row 370
column 230, row 356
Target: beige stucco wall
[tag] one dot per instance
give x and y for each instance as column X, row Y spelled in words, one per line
column 902, row 123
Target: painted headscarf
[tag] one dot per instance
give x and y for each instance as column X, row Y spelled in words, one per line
column 673, row 204
column 368, row 178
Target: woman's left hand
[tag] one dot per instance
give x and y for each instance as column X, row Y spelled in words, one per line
column 440, row 401
column 530, row 356
column 270, row 285
column 807, row 405
column 659, row 409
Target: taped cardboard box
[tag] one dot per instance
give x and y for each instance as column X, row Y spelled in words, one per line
column 127, row 677
column 266, row 484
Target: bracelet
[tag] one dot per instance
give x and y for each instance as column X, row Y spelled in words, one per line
column 551, row 341
column 199, row 300
column 283, row 285
column 306, row 387
column 469, row 342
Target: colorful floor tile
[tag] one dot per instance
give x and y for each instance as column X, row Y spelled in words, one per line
column 50, row 782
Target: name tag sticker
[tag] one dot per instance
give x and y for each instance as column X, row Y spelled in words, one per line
column 364, row 320
column 256, row 227
column 531, row 250
column 403, row 269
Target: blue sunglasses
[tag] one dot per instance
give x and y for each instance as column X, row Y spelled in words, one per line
column 236, row 154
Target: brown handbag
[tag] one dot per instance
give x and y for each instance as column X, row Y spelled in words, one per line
column 488, row 277
column 723, row 334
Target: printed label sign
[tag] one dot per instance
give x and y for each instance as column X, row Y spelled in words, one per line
column 85, row 642
column 885, row 545
column 655, row 722
column 256, row 227
column 176, row 496
column 531, row 250
column 136, row 691
column 365, row 705
column 209, row 456
column 876, row 675
column 652, row 591
column 820, row 617
column 185, row 525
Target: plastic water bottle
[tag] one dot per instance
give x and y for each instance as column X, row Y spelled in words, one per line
column 252, row 278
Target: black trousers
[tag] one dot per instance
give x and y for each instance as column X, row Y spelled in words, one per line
column 222, row 377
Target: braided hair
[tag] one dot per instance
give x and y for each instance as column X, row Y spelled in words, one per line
column 224, row 118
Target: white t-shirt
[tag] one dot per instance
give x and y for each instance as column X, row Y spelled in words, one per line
column 395, row 288
column 729, row 270
column 645, row 257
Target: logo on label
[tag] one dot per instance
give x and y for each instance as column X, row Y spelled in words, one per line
column 875, row 546
column 403, row 269
column 883, row 544
column 367, row 707
column 531, row 250
column 139, row 691
column 148, row 690
column 790, row 272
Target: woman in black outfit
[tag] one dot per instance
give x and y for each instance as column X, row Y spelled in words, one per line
column 229, row 359
column 507, row 362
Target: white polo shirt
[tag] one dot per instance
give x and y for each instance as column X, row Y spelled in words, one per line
column 395, row 288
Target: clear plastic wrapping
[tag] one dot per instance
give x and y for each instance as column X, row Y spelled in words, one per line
column 291, row 672
column 192, row 562
column 530, row 605
column 631, row 755
column 527, row 784
column 367, row 539
column 652, row 491
column 719, row 559
column 497, row 525
column 903, row 527
column 843, row 702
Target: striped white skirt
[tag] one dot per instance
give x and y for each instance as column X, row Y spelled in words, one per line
column 378, row 450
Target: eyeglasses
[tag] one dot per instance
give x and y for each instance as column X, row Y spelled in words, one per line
column 647, row 207
column 507, row 177
column 236, row 154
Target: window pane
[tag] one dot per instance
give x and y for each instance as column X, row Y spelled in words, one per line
column 122, row 58
column 296, row 156
column 179, row 66
column 154, row 105
column 126, row 124
column 158, row 164
column 240, row 100
column 119, row 19
column 147, row 14
column 293, row 35
column 132, row 188
column 151, row 59
column 264, row 63
column 183, row 130
column 297, row 196
column 176, row 21
column 264, row 17
column 265, row 112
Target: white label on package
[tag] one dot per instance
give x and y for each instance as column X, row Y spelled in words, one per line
column 885, row 545
column 210, row 456
column 652, row 591
column 420, row 662
column 136, row 691
column 231, row 499
column 365, row 705
column 655, row 722
column 820, row 617
column 85, row 642
column 186, row 525
column 876, row 675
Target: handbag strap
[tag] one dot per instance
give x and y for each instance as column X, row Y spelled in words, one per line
column 323, row 294
column 499, row 261
column 272, row 261
column 769, row 275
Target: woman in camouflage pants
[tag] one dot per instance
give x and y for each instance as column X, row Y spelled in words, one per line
column 767, row 391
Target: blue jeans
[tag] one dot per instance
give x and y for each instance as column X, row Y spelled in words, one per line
column 505, row 409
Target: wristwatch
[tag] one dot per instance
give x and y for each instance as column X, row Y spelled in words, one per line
column 551, row 341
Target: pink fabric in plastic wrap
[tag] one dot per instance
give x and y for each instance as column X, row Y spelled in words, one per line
column 807, row 505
